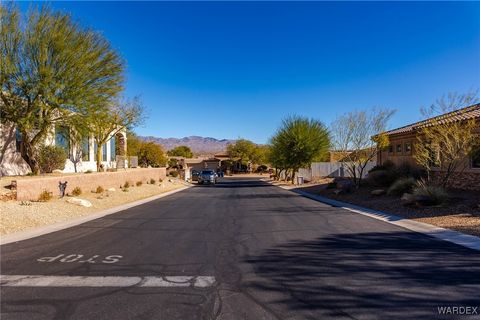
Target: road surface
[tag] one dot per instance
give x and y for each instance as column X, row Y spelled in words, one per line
column 242, row 249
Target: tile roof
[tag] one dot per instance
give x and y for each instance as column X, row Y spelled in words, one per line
column 471, row 112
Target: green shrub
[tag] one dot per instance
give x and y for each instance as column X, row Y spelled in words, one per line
column 381, row 178
column 45, row 196
column 434, row 195
column 76, row 191
column 99, row 189
column 125, row 189
column 126, row 185
column 331, row 185
column 407, row 170
column 262, row 168
column 51, row 158
column 173, row 174
column 152, row 181
column 139, row 183
column 386, row 165
column 88, row 171
column 401, row 186
column 160, row 180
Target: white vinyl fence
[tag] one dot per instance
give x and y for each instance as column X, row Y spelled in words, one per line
column 319, row 170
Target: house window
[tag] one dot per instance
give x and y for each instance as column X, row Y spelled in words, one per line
column 104, row 152
column 390, row 149
column 475, row 159
column 85, row 149
column 399, row 148
column 18, row 140
column 408, row 147
column 62, row 138
column 113, row 148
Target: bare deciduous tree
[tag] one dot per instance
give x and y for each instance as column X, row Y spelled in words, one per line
column 358, row 135
column 106, row 123
column 443, row 142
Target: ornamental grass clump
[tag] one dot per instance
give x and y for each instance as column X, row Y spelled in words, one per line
column 45, row 196
column 432, row 194
column 401, row 186
column 76, row 191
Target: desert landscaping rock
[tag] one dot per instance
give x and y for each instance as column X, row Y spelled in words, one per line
column 111, row 189
column 407, row 199
column 377, row 192
column 80, row 202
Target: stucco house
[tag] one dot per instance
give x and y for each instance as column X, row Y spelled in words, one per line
column 81, row 156
column 402, row 145
column 188, row 165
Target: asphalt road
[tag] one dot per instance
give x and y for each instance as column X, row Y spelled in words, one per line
column 273, row 255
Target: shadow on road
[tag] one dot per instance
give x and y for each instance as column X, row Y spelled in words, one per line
column 373, row 275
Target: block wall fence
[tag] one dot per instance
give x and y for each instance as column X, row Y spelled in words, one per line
column 30, row 188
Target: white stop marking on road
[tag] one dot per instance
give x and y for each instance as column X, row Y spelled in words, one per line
column 80, row 258
column 108, row 281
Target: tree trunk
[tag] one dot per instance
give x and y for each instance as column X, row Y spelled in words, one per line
column 362, row 168
column 293, row 175
column 28, row 154
column 448, row 173
column 354, row 173
column 99, row 157
column 279, row 174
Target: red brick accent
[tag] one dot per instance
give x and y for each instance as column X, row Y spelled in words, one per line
column 30, row 189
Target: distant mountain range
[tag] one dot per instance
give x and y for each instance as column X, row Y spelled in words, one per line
column 199, row 145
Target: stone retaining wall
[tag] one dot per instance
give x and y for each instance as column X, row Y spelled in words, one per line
column 30, row 189
column 468, row 180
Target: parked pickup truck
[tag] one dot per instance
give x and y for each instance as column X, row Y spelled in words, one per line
column 207, row 176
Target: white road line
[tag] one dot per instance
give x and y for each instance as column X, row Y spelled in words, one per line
column 108, row 281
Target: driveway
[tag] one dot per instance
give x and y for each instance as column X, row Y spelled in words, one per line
column 242, row 249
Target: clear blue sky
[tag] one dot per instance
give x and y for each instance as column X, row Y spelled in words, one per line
column 230, row 70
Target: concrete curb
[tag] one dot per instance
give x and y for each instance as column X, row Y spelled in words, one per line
column 452, row 236
column 28, row 234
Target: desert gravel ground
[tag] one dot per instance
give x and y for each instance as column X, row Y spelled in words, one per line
column 18, row 216
column 462, row 213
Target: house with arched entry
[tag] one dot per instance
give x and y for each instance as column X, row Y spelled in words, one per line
column 81, row 155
